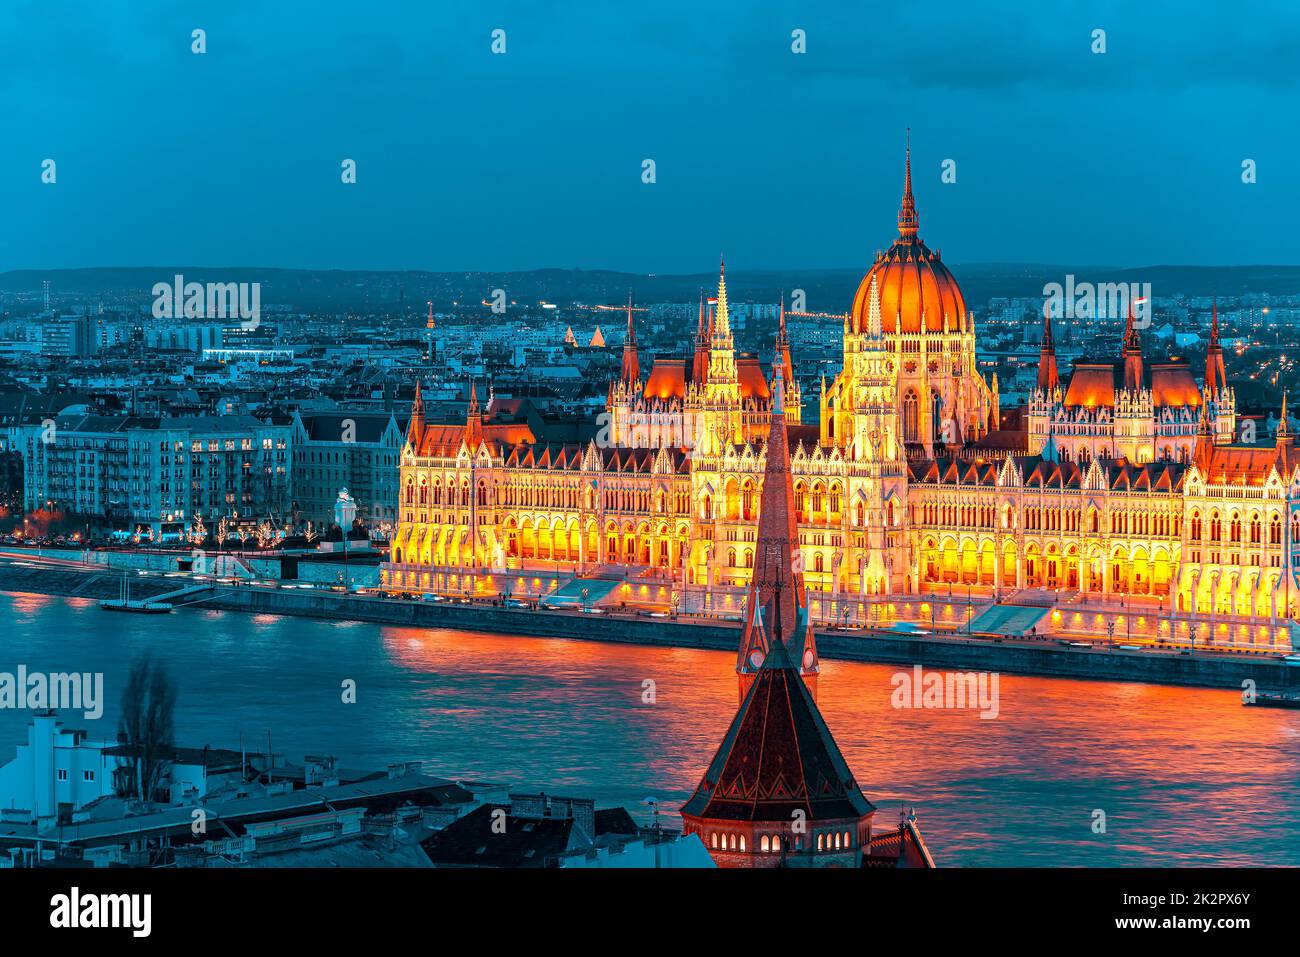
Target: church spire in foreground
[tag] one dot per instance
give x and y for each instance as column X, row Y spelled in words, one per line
column 776, row 607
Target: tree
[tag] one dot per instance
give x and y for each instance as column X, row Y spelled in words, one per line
column 198, row 531
column 265, row 534
column 146, row 727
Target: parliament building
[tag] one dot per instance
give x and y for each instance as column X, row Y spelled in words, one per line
column 1123, row 480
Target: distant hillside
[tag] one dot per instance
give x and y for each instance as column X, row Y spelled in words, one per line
column 829, row 290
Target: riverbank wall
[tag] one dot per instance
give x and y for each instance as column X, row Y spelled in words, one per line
column 1045, row 658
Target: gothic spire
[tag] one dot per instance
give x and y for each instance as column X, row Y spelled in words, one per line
column 415, row 428
column 783, row 344
column 907, row 219
column 1132, row 352
column 777, row 601
column 874, row 328
column 1048, row 375
column 721, row 321
column 1215, row 374
column 631, row 371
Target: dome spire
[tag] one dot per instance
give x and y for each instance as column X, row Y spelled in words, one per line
column 907, row 220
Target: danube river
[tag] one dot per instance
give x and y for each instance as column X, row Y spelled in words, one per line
column 1183, row 775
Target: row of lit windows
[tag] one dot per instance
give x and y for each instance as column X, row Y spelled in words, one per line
column 771, row 844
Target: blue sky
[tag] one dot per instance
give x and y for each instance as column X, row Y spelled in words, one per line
column 469, row 160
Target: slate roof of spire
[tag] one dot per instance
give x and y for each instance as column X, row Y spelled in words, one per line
column 777, row 757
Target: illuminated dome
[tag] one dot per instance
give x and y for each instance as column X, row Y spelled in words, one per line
column 911, row 279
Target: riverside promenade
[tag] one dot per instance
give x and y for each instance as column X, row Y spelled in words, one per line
column 1046, row 655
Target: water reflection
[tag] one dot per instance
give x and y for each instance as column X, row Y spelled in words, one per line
column 1183, row 775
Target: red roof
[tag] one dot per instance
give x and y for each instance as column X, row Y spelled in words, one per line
column 778, row 757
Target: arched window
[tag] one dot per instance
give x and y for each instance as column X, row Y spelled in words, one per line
column 910, row 425
column 765, row 844
column 742, row 842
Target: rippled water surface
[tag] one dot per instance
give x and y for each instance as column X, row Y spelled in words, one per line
column 1184, row 776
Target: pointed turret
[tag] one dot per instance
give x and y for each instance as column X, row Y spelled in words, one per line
column 907, row 219
column 473, row 420
column 700, row 359
column 1216, row 376
column 721, row 319
column 777, row 601
column 874, row 328
column 1132, row 353
column 1203, row 451
column 1048, row 377
column 783, row 345
column 415, row 428
column 779, row 782
column 1284, row 436
column 631, row 372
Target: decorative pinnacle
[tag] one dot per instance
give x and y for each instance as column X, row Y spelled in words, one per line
column 907, row 219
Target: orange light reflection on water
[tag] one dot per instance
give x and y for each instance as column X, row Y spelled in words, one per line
column 1169, row 766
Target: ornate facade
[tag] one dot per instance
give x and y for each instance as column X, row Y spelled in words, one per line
column 1126, row 481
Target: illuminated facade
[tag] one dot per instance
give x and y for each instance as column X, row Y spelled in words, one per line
column 1125, row 483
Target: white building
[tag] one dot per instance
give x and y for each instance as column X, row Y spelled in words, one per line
column 57, row 768
column 61, row 770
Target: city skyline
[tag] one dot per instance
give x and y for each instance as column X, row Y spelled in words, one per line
column 758, row 149
column 764, row 434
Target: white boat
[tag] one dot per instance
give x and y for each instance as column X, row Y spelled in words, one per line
column 124, row 603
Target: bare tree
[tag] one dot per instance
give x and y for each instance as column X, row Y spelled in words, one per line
column 146, row 727
column 198, row 531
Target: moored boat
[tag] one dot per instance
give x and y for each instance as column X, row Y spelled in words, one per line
column 1273, row 699
column 124, row 603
